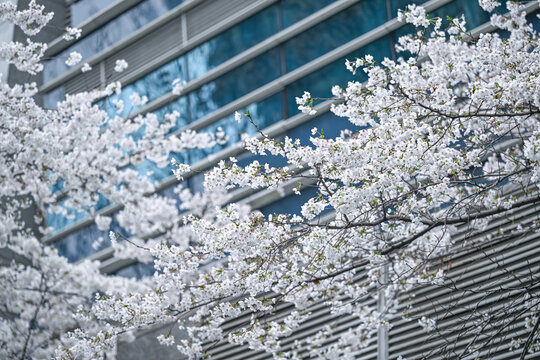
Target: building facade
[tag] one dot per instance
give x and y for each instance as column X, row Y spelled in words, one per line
column 256, row 55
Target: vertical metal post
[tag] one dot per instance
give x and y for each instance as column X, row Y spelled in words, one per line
column 102, row 75
column 184, row 28
column 382, row 332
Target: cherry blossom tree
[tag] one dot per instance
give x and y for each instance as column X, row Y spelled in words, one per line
column 447, row 142
column 87, row 154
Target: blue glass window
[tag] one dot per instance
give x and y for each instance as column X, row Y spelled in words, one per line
column 320, row 82
column 328, row 122
column 109, row 34
column 83, row 9
column 331, row 124
column 333, row 32
column 79, row 244
column 534, row 20
column 291, row 204
column 136, row 271
column 295, row 10
column 153, row 85
column 234, row 84
column 232, row 42
column 59, row 221
column 264, row 114
column 51, row 98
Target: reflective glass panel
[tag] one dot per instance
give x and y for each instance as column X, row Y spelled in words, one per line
column 51, row 98
column 83, row 9
column 60, row 221
column 295, row 10
column 234, row 84
column 264, row 114
column 136, row 271
column 329, row 123
column 80, row 244
column 320, row 82
column 290, row 204
column 153, row 85
column 232, row 42
column 333, row 32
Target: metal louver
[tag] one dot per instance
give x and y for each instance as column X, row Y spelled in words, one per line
column 141, row 53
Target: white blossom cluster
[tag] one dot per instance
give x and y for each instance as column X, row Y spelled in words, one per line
column 72, row 33
column 120, row 65
column 30, row 20
column 89, row 154
column 73, row 59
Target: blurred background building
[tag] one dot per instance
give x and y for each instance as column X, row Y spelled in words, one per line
column 238, row 55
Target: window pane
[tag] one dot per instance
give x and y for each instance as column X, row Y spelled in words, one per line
column 331, row 124
column 295, row 10
column 136, row 271
column 51, row 99
column 232, row 42
column 333, row 32
column 60, row 221
column 83, row 9
column 79, row 244
column 320, row 82
column 153, row 85
column 234, row 84
column 264, row 114
column 291, row 204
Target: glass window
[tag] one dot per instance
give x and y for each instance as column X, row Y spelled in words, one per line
column 153, row 85
column 219, row 49
column 331, row 124
column 534, row 20
column 51, row 98
column 291, row 204
column 136, row 271
column 60, row 221
column 114, row 31
column 234, row 84
column 264, row 114
column 333, row 32
column 328, row 122
column 320, row 82
column 295, row 10
column 80, row 244
column 83, row 9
